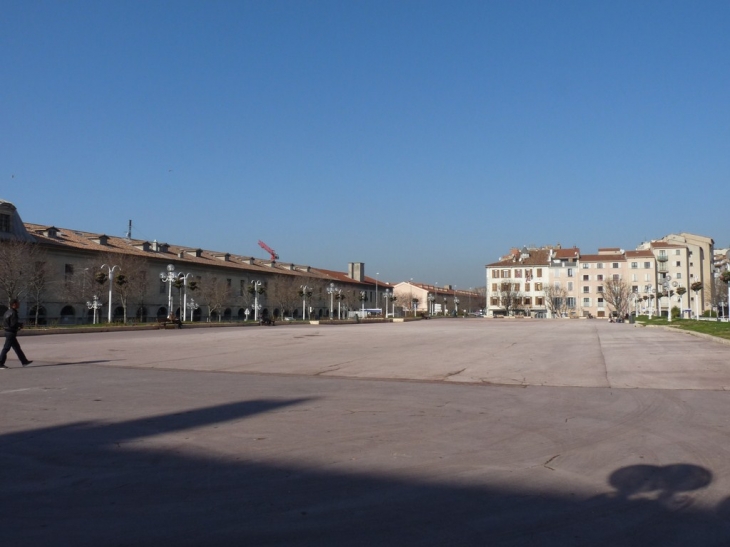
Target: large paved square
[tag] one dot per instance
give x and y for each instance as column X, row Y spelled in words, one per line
column 444, row 432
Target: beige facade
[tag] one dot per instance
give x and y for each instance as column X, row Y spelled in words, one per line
column 73, row 259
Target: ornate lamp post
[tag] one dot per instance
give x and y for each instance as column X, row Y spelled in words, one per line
column 363, row 299
column 305, row 292
column 256, row 288
column 110, row 271
column 94, row 305
column 193, row 305
column 431, row 298
column 169, row 277
column 668, row 287
column 339, row 297
column 331, row 291
column 697, row 287
column 456, row 305
column 386, row 297
column 192, row 286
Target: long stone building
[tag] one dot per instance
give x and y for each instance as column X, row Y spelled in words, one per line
column 72, row 270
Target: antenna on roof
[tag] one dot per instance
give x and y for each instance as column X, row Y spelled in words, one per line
column 129, row 230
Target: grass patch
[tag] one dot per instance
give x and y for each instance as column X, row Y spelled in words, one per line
column 713, row 328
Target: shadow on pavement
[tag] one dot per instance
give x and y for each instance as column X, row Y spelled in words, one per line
column 99, row 484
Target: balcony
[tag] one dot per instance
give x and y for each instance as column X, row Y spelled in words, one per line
column 662, row 258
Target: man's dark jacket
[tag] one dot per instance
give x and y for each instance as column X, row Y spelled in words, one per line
column 10, row 321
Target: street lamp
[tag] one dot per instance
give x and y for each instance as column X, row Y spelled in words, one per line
column 110, row 271
column 185, row 299
column 193, row 305
column 339, row 297
column 363, row 298
column 668, row 287
column 430, row 299
column 456, row 305
column 94, row 305
column 376, row 288
column 386, row 296
column 256, row 288
column 331, row 291
column 168, row 278
column 305, row 292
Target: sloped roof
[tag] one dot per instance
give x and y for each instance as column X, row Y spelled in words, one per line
column 538, row 257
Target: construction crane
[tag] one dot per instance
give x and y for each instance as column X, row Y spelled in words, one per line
column 268, row 249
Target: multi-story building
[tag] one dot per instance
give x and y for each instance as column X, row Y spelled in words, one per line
column 562, row 275
column 516, row 283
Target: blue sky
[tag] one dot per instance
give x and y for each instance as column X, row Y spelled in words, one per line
column 422, row 138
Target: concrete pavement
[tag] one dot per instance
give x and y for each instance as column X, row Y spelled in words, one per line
column 458, row 432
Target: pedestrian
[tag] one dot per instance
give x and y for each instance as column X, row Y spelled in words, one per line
column 11, row 326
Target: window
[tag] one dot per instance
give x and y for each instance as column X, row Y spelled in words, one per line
column 677, row 252
column 600, row 302
column 516, row 287
column 586, row 265
column 586, row 277
column 678, row 263
column 570, row 301
column 634, row 288
column 528, row 274
column 494, row 287
column 539, row 301
column 570, row 285
column 518, row 273
column 570, row 272
column 228, row 283
column 647, row 277
column 495, row 274
column 586, row 302
column 527, row 301
column 614, row 265
column 539, row 272
column 600, row 289
column 634, row 265
column 505, row 274
column 691, row 264
column 5, row 223
column 68, row 271
column 647, row 265
column 586, row 290
column 538, row 286
column 495, row 301
column 616, row 277
column 679, row 275
column 527, row 287
column 599, row 277
column 634, row 277
column 599, row 265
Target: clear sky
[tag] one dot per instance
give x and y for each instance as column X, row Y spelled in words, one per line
column 422, row 138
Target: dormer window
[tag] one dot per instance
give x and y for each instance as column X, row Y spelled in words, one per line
column 4, row 223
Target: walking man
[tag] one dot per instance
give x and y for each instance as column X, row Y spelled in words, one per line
column 11, row 326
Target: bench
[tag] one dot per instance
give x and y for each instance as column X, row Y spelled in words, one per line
column 166, row 322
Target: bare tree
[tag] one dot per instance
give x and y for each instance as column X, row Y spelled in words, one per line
column 130, row 282
column 510, row 296
column 38, row 283
column 284, row 294
column 616, row 293
column 17, row 264
column 215, row 292
column 556, row 299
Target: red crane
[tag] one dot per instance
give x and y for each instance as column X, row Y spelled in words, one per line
column 271, row 251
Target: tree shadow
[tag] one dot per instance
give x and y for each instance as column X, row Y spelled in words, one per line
column 102, row 484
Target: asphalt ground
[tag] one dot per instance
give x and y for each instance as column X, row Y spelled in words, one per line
column 441, row 432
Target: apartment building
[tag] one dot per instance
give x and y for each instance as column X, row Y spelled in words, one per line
column 516, row 283
column 562, row 275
